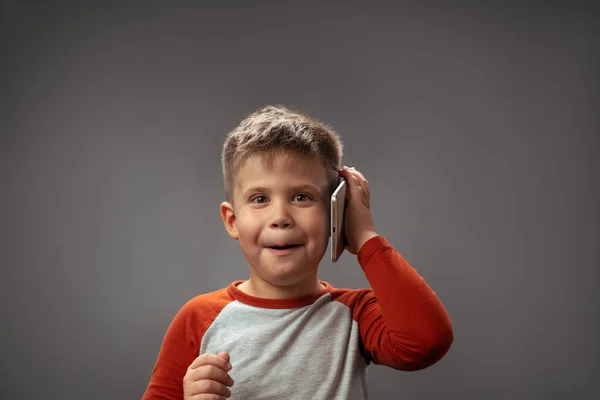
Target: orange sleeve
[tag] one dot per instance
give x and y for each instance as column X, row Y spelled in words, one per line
column 403, row 324
column 181, row 345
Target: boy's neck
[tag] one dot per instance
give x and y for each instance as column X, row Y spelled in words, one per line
column 259, row 288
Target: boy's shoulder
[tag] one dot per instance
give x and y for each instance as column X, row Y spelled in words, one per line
column 206, row 304
column 353, row 298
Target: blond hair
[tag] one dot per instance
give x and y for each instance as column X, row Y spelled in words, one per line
column 274, row 130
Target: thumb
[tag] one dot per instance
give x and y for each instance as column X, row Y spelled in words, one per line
column 224, row 355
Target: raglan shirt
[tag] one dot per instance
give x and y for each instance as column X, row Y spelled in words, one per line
column 311, row 347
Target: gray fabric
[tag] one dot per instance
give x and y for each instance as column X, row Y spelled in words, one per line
column 310, row 352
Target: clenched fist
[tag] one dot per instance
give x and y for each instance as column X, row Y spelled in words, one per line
column 207, row 378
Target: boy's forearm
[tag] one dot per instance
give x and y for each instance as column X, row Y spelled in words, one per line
column 414, row 318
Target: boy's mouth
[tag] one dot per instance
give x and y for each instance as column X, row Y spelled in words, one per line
column 283, row 250
column 284, row 247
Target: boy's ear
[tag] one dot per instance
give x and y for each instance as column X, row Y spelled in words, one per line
column 228, row 217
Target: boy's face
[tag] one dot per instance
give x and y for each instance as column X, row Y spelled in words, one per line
column 281, row 218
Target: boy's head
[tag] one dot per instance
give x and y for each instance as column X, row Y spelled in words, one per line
column 280, row 168
column 278, row 131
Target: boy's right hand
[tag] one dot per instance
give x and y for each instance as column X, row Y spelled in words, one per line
column 207, row 378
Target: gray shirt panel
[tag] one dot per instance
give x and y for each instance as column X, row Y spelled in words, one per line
column 310, row 352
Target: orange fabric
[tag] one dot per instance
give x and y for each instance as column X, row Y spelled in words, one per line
column 181, row 344
column 403, row 324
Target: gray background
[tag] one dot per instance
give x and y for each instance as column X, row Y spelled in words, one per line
column 476, row 125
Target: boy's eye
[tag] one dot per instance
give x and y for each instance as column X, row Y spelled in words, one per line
column 301, row 197
column 259, row 199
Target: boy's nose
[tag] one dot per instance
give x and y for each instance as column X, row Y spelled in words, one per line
column 281, row 224
column 281, row 218
column 281, row 221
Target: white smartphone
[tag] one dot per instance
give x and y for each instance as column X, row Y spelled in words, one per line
column 338, row 208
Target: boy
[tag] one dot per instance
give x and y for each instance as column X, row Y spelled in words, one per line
column 283, row 333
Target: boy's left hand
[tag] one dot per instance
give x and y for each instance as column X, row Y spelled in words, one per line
column 359, row 226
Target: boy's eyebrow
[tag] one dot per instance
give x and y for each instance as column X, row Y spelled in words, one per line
column 292, row 188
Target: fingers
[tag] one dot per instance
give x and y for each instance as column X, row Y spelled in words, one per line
column 357, row 182
column 207, row 377
column 224, row 355
column 211, row 372
column 207, row 396
column 207, row 387
column 221, row 361
column 354, row 176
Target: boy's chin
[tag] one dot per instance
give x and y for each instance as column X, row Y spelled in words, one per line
column 288, row 278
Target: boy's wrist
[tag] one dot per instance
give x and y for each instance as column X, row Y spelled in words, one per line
column 365, row 237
